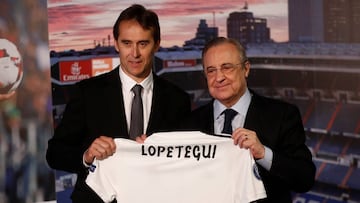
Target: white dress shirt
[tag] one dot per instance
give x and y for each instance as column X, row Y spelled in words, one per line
column 146, row 95
column 240, row 106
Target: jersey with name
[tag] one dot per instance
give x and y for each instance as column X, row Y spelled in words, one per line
column 177, row 167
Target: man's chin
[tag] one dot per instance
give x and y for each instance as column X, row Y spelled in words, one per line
column 222, row 97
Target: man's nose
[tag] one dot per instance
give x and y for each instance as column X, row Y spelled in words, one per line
column 135, row 51
column 219, row 75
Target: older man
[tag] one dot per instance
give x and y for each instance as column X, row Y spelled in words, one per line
column 271, row 129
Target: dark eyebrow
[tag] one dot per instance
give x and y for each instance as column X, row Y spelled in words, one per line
column 226, row 63
column 138, row 42
column 144, row 41
column 220, row 65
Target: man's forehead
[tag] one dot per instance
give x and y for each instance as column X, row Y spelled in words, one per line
column 135, row 37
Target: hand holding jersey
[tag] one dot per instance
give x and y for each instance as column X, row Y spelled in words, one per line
column 189, row 166
column 248, row 139
column 101, row 148
column 141, row 138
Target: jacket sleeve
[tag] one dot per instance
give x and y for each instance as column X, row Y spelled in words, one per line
column 292, row 159
column 65, row 149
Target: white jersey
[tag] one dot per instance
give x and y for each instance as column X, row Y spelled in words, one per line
column 177, row 167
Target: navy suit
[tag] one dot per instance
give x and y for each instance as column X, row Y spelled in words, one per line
column 98, row 109
column 278, row 126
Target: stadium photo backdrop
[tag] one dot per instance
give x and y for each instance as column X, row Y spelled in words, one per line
column 317, row 69
column 26, row 117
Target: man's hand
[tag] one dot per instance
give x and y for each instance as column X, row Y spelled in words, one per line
column 248, row 139
column 141, row 139
column 101, row 148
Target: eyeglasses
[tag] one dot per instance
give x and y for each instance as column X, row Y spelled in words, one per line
column 225, row 68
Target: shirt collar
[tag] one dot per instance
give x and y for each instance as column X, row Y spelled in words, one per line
column 128, row 83
column 240, row 106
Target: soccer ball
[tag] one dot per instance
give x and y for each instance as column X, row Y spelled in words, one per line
column 11, row 72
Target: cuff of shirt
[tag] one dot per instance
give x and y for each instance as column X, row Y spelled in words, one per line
column 266, row 162
column 84, row 162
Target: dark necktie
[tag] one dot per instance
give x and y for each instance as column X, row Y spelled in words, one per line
column 229, row 116
column 137, row 120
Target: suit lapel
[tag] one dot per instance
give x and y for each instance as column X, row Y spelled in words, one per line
column 156, row 105
column 209, row 118
column 202, row 119
column 253, row 120
column 114, row 105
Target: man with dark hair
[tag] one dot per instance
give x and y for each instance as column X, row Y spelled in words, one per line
column 102, row 108
column 271, row 129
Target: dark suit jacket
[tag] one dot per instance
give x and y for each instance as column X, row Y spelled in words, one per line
column 98, row 109
column 278, row 126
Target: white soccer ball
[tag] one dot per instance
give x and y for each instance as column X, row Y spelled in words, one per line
column 11, row 72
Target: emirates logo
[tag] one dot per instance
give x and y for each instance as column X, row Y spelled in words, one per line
column 75, row 68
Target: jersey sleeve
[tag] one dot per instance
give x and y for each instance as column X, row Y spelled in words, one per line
column 98, row 180
column 254, row 188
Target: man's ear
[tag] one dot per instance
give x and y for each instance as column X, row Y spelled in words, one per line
column 116, row 46
column 247, row 69
column 157, row 46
